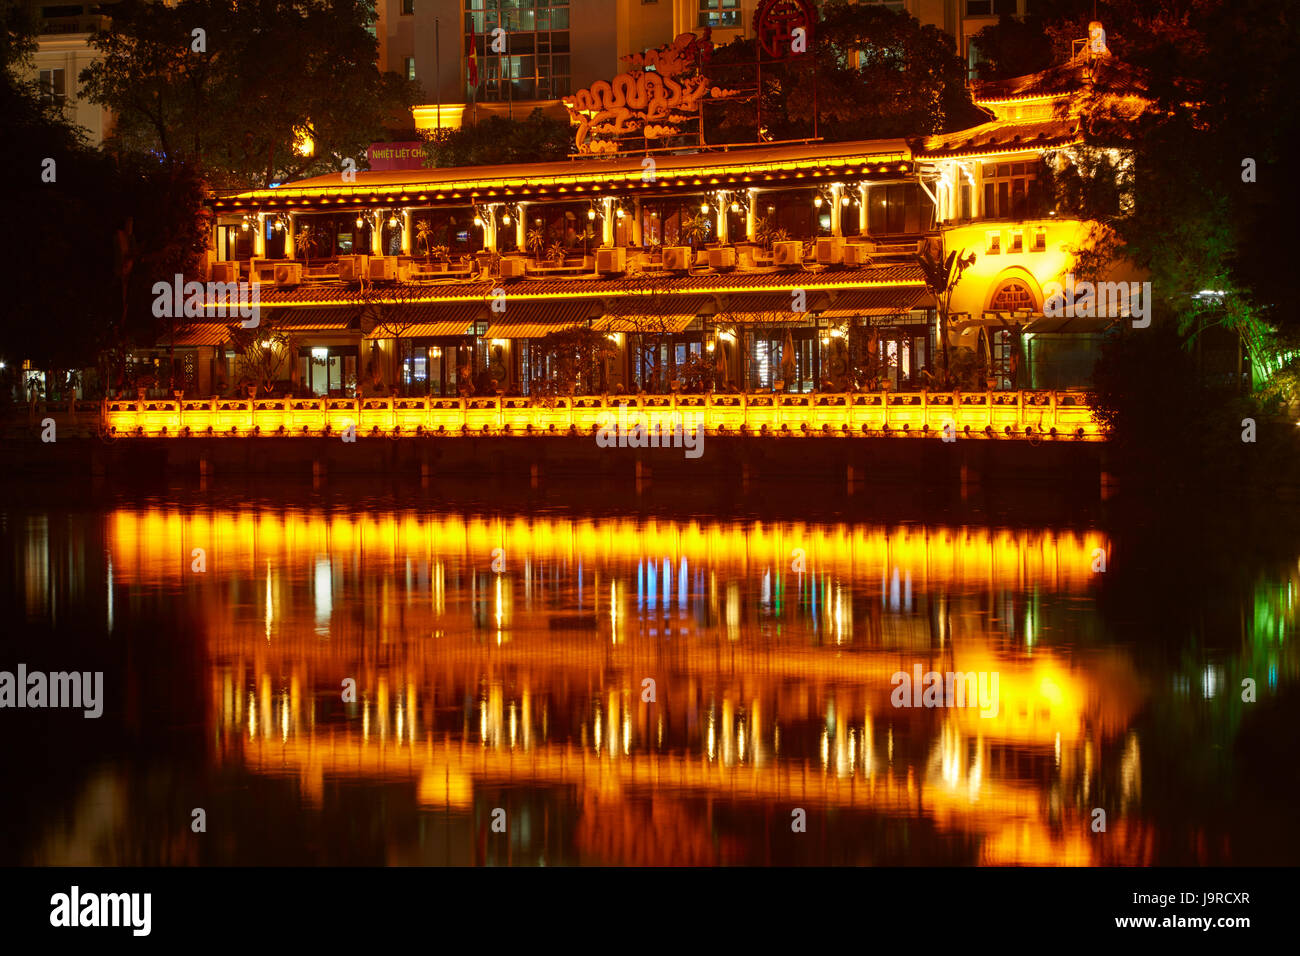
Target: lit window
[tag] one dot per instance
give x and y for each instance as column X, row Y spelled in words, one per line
column 719, row 13
column 994, row 245
column 1040, row 240
column 410, row 67
column 53, row 90
column 535, row 64
column 1017, row 241
column 1011, row 190
column 1013, row 296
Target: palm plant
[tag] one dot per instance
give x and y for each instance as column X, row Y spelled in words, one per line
column 536, row 243
column 941, row 278
column 556, row 252
column 695, row 228
column 424, row 236
column 309, row 238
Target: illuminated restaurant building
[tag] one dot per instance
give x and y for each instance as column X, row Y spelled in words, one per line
column 745, row 269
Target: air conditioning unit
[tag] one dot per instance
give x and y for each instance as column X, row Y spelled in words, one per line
column 224, row 272
column 787, row 253
column 830, row 250
column 288, row 273
column 724, row 258
column 353, row 268
column 512, row 267
column 611, row 260
column 677, row 258
column 858, row 253
column 382, row 267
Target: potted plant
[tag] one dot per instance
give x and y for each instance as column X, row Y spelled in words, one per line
column 695, row 229
column 424, row 236
column 536, row 243
column 308, row 239
column 555, row 254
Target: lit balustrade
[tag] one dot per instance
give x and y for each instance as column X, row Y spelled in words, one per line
column 1025, row 415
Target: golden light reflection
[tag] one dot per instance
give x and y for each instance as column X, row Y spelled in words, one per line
column 768, row 684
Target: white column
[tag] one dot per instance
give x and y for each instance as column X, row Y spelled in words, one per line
column 751, row 217
column 259, row 240
column 521, row 229
column 636, row 221
column 862, row 209
column 376, row 233
column 724, row 216
column 408, row 228
column 290, row 236
column 607, row 221
column 837, row 191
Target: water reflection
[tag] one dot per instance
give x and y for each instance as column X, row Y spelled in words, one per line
column 648, row 692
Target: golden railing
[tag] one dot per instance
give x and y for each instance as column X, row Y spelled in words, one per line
column 1032, row 415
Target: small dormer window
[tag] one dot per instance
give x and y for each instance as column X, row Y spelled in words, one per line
column 994, row 244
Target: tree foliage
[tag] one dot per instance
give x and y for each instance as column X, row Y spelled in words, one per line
column 243, row 98
column 907, row 81
column 1198, row 205
column 498, row 141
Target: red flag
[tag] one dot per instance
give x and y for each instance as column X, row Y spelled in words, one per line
column 473, row 55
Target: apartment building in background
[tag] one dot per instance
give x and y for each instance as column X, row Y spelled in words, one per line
column 63, row 52
column 553, row 48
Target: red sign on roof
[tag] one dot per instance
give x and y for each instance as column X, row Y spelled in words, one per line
column 396, row 155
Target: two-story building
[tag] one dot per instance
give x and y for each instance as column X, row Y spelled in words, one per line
column 790, row 267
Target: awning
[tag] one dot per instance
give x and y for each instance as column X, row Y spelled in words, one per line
column 426, row 321
column 893, row 300
column 199, row 334
column 532, row 319
column 653, row 315
column 770, row 308
column 314, row 320
column 1066, row 325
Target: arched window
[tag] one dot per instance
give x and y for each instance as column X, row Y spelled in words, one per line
column 1013, row 296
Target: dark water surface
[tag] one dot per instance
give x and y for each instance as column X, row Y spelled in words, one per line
column 500, row 648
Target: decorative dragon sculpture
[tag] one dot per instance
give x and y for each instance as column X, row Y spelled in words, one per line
column 646, row 100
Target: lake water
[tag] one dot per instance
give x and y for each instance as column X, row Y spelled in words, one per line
column 504, row 657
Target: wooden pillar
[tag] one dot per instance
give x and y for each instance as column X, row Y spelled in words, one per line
column 636, row 222
column 521, row 230
column 408, row 231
